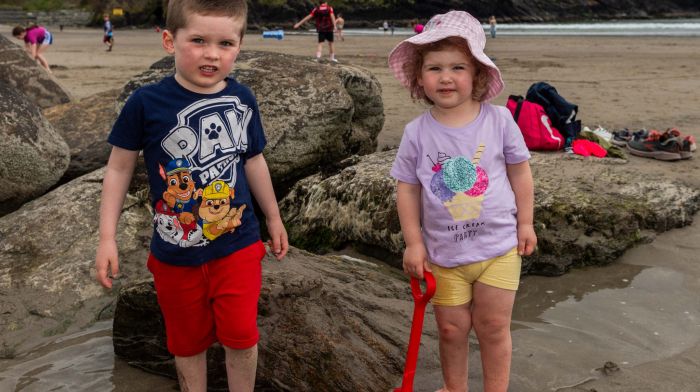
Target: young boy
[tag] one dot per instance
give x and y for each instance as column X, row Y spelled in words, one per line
column 202, row 139
column 325, row 26
column 108, row 37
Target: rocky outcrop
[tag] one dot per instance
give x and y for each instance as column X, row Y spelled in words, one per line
column 314, row 114
column 47, row 253
column 85, row 125
column 589, row 217
column 326, row 324
column 32, row 155
column 357, row 204
column 22, row 73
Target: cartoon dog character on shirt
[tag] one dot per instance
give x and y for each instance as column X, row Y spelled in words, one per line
column 181, row 194
column 218, row 217
column 171, row 230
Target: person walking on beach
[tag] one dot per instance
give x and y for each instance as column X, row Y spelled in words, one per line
column 325, row 26
column 108, row 37
column 385, row 26
column 202, row 140
column 464, row 193
column 36, row 40
column 492, row 25
column 339, row 24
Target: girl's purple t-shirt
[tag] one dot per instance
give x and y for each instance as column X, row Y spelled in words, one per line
column 35, row 35
column 468, row 209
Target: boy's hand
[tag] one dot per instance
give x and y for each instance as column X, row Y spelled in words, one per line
column 527, row 239
column 415, row 261
column 278, row 243
column 107, row 259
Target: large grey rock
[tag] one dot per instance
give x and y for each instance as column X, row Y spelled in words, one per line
column 586, row 217
column 326, row 324
column 47, row 253
column 85, row 125
column 32, row 155
column 18, row 70
column 314, row 114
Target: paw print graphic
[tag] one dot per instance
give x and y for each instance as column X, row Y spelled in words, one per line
column 213, row 131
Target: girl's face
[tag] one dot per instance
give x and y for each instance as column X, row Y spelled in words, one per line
column 205, row 51
column 447, row 77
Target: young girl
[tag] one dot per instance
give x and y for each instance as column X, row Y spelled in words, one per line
column 464, row 194
column 36, row 40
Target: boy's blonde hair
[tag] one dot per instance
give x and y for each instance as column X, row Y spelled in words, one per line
column 413, row 69
column 179, row 10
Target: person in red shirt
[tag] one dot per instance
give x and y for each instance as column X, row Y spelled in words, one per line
column 325, row 26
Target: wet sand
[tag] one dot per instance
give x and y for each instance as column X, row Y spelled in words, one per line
column 642, row 313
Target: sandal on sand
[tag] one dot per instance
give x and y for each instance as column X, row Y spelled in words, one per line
column 659, row 146
column 689, row 139
column 621, row 137
column 687, row 143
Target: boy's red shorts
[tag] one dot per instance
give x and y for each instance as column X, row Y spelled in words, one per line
column 214, row 301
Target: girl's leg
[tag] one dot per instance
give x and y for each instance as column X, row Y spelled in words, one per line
column 40, row 57
column 454, row 323
column 240, row 368
column 491, row 315
column 192, row 372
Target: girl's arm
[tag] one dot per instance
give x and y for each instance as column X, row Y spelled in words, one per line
column 33, row 50
column 408, row 204
column 115, row 184
column 258, row 176
column 520, row 178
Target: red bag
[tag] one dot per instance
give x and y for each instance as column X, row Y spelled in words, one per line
column 537, row 128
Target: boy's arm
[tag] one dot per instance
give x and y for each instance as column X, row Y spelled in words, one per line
column 335, row 27
column 258, row 176
column 301, row 22
column 115, row 184
column 520, row 178
column 408, row 204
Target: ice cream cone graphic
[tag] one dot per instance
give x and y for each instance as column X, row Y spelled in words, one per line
column 465, row 204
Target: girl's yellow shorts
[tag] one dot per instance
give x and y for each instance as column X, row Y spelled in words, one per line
column 454, row 285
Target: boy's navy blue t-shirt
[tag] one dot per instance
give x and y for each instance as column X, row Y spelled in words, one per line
column 195, row 147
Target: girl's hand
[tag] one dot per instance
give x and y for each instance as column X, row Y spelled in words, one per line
column 415, row 261
column 527, row 239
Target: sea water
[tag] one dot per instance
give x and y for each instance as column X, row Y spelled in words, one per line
column 665, row 27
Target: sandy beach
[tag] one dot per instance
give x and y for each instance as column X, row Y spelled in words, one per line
column 642, row 313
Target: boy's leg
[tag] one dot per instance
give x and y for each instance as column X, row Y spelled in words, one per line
column 454, row 323
column 240, row 368
column 189, row 321
column 491, row 316
column 331, row 50
column 192, row 372
column 236, row 282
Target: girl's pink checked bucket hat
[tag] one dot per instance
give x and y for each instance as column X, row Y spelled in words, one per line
column 452, row 24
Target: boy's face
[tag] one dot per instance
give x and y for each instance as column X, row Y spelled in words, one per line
column 205, row 51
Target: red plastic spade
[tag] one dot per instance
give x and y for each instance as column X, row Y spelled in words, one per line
column 421, row 300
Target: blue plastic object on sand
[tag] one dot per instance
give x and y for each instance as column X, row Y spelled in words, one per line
column 278, row 34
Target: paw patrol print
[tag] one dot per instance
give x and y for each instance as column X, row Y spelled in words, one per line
column 213, row 131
